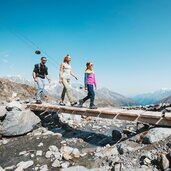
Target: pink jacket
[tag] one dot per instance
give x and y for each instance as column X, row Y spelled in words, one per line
column 90, row 78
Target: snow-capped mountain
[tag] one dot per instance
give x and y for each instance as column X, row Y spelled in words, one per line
column 152, row 98
column 19, row 79
column 104, row 97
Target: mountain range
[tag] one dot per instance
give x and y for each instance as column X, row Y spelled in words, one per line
column 152, row 97
column 104, row 96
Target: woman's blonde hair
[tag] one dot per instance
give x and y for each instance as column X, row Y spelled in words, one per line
column 66, row 58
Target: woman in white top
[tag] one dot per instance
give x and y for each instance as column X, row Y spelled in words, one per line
column 64, row 78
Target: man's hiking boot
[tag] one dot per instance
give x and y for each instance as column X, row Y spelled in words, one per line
column 73, row 103
column 38, row 102
column 93, row 107
column 81, row 103
column 62, row 104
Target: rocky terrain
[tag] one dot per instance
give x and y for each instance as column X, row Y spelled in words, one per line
column 51, row 141
column 35, row 141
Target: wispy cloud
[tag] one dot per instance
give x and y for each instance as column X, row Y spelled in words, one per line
column 4, row 57
column 4, row 60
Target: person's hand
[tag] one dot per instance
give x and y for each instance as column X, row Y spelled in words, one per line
column 85, row 88
column 35, row 80
column 60, row 81
column 49, row 81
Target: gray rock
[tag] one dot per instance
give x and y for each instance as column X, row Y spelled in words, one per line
column 163, row 161
column 19, row 122
column 56, row 163
column 3, row 111
column 156, row 134
column 81, row 168
column 14, row 105
column 1, row 169
column 44, row 168
column 107, row 151
column 24, row 165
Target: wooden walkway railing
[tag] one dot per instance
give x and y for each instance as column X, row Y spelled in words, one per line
column 155, row 118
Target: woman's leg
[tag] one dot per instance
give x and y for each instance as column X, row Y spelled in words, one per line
column 63, row 94
column 65, row 82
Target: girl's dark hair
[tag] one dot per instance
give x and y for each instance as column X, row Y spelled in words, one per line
column 87, row 65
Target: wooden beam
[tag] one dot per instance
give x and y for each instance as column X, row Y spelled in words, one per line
column 155, row 118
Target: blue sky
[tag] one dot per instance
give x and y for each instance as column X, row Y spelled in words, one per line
column 129, row 41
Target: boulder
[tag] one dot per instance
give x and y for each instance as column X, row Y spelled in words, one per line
column 24, row 165
column 107, row 152
column 3, row 111
column 19, row 122
column 1, row 169
column 156, row 134
column 14, row 105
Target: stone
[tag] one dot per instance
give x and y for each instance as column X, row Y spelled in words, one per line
column 10, row 168
column 147, row 161
column 39, row 153
column 53, row 148
column 5, row 141
column 66, row 149
column 24, row 165
column 124, row 148
column 76, row 153
column 163, row 161
column 107, row 151
column 1, row 169
column 147, row 155
column 49, row 154
column 22, row 153
column 66, row 156
column 44, row 168
column 19, row 122
column 65, row 165
column 117, row 167
column 57, row 155
column 3, row 111
column 40, row 145
column 82, row 168
column 14, row 105
column 156, row 134
column 56, row 163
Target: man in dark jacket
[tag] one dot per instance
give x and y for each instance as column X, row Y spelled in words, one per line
column 39, row 73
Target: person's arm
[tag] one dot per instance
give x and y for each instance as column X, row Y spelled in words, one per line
column 85, row 80
column 60, row 73
column 47, row 76
column 35, row 71
column 72, row 73
column 95, row 84
column 34, row 76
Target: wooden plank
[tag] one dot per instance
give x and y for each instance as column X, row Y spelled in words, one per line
column 115, row 113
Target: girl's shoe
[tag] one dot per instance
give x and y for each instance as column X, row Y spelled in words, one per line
column 62, row 104
column 73, row 103
column 81, row 103
column 93, row 107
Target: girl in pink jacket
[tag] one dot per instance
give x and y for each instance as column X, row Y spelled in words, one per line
column 90, row 83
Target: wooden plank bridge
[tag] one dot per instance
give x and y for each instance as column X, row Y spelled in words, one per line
column 154, row 118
